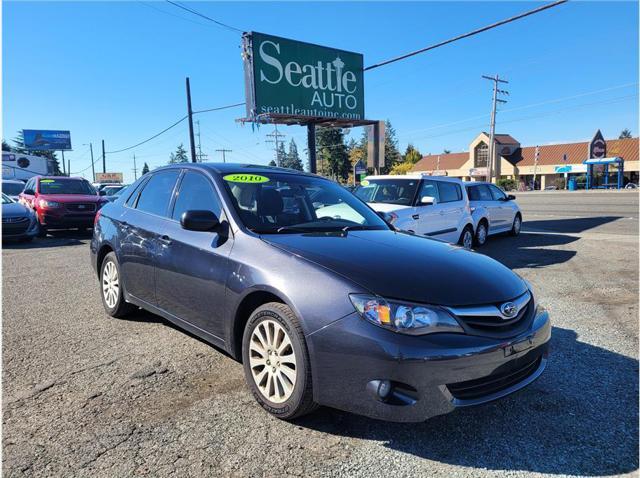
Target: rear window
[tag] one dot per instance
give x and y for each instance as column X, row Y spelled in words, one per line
column 449, row 192
column 66, row 186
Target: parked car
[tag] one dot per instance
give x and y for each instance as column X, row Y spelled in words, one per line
column 18, row 221
column 113, row 192
column 347, row 313
column 100, row 186
column 434, row 206
column 12, row 188
column 493, row 211
column 61, row 202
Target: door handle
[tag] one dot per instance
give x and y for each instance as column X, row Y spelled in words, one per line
column 416, row 216
column 165, row 240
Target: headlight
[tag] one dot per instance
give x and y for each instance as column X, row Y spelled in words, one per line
column 44, row 203
column 407, row 318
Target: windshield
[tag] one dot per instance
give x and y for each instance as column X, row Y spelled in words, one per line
column 112, row 190
column 283, row 203
column 65, row 186
column 12, row 189
column 389, row 191
column 6, row 199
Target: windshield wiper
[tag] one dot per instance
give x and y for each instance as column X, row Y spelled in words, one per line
column 359, row 228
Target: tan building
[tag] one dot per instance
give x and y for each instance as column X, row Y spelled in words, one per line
column 516, row 162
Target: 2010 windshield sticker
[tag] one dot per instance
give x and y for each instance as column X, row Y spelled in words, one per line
column 47, row 180
column 246, row 178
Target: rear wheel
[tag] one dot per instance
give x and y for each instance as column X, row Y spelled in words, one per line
column 517, row 225
column 276, row 362
column 111, row 288
column 481, row 234
column 466, row 238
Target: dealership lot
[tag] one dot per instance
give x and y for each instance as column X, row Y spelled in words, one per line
column 88, row 395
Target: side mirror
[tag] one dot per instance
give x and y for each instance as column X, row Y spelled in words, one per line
column 102, row 193
column 197, row 220
column 427, row 200
column 510, row 197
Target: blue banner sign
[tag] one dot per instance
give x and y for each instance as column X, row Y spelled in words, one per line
column 43, row 139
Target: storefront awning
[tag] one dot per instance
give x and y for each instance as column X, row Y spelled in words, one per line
column 617, row 159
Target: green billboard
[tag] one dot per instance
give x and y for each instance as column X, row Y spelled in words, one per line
column 297, row 79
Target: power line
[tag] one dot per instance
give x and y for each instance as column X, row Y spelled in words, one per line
column 219, row 108
column 466, row 35
column 224, row 25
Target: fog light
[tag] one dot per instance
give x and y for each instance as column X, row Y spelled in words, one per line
column 384, row 389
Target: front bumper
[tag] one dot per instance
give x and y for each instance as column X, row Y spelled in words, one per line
column 20, row 231
column 66, row 220
column 430, row 374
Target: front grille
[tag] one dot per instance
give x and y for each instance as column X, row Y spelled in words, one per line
column 481, row 387
column 14, row 220
column 81, row 207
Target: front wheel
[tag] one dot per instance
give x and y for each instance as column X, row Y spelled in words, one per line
column 466, row 238
column 276, row 362
column 517, row 225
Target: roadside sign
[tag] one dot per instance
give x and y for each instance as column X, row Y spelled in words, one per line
column 44, row 139
column 109, row 177
column 598, row 146
column 360, row 168
column 293, row 78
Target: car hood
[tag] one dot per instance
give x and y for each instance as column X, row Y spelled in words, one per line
column 67, row 198
column 14, row 210
column 402, row 266
column 384, row 207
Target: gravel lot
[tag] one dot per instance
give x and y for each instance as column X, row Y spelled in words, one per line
column 86, row 395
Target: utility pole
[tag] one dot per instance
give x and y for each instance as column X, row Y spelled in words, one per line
column 276, row 139
column 495, row 101
column 200, row 155
column 224, row 160
column 135, row 169
column 93, row 169
column 190, row 115
column 104, row 159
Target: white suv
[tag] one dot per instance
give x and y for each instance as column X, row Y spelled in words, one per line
column 493, row 211
column 434, row 206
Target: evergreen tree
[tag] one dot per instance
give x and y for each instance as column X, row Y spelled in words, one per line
column 180, row 156
column 5, row 146
column 391, row 154
column 272, row 163
column 281, row 155
column 447, row 151
column 145, row 168
column 292, row 158
column 411, row 155
column 626, row 133
column 332, row 153
column 18, row 141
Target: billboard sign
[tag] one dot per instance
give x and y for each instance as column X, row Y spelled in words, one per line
column 109, row 177
column 43, row 139
column 598, row 147
column 292, row 78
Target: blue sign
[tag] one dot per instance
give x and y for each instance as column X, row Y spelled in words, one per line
column 42, row 139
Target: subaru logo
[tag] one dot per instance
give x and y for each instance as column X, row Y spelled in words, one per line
column 509, row 310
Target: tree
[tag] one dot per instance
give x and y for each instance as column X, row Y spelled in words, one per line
column 446, row 151
column 5, row 146
column 180, row 156
column 272, row 163
column 391, row 154
column 145, row 168
column 292, row 158
column 402, row 168
column 332, row 153
column 625, row 134
column 18, row 141
column 411, row 155
column 281, row 155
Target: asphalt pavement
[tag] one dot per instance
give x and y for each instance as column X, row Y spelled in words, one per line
column 87, row 395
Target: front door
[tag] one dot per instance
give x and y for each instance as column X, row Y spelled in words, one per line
column 503, row 212
column 141, row 227
column 429, row 220
column 191, row 266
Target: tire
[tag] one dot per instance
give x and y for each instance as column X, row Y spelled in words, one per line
column 517, row 225
column 283, row 389
column 466, row 237
column 111, row 288
column 480, row 238
column 26, row 239
column 42, row 231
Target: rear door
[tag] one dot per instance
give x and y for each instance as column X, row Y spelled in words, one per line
column 452, row 204
column 143, row 226
column 191, row 266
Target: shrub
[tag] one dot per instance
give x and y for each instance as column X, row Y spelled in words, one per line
column 507, row 184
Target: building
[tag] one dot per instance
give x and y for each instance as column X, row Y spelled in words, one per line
column 519, row 162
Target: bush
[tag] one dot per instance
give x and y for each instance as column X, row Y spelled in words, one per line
column 507, row 184
column 559, row 183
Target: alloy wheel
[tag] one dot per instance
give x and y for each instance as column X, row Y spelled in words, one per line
column 481, row 234
column 517, row 223
column 467, row 239
column 110, row 284
column 272, row 361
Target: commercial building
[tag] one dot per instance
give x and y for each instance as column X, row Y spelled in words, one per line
column 513, row 161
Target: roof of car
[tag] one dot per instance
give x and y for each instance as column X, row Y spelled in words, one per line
column 75, row 178
column 475, row 183
column 224, row 168
column 14, row 181
column 414, row 176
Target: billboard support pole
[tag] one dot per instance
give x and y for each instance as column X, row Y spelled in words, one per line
column 376, row 148
column 104, row 159
column 64, row 169
column 190, row 114
column 311, row 147
column 69, row 166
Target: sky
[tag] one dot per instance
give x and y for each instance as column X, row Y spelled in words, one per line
column 116, row 71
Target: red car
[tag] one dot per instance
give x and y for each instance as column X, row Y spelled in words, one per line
column 61, row 202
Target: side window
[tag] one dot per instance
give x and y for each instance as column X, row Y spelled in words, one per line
column 156, row 195
column 473, row 193
column 133, row 193
column 29, row 185
column 196, row 192
column 497, row 193
column 449, row 192
column 483, row 193
column 429, row 188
